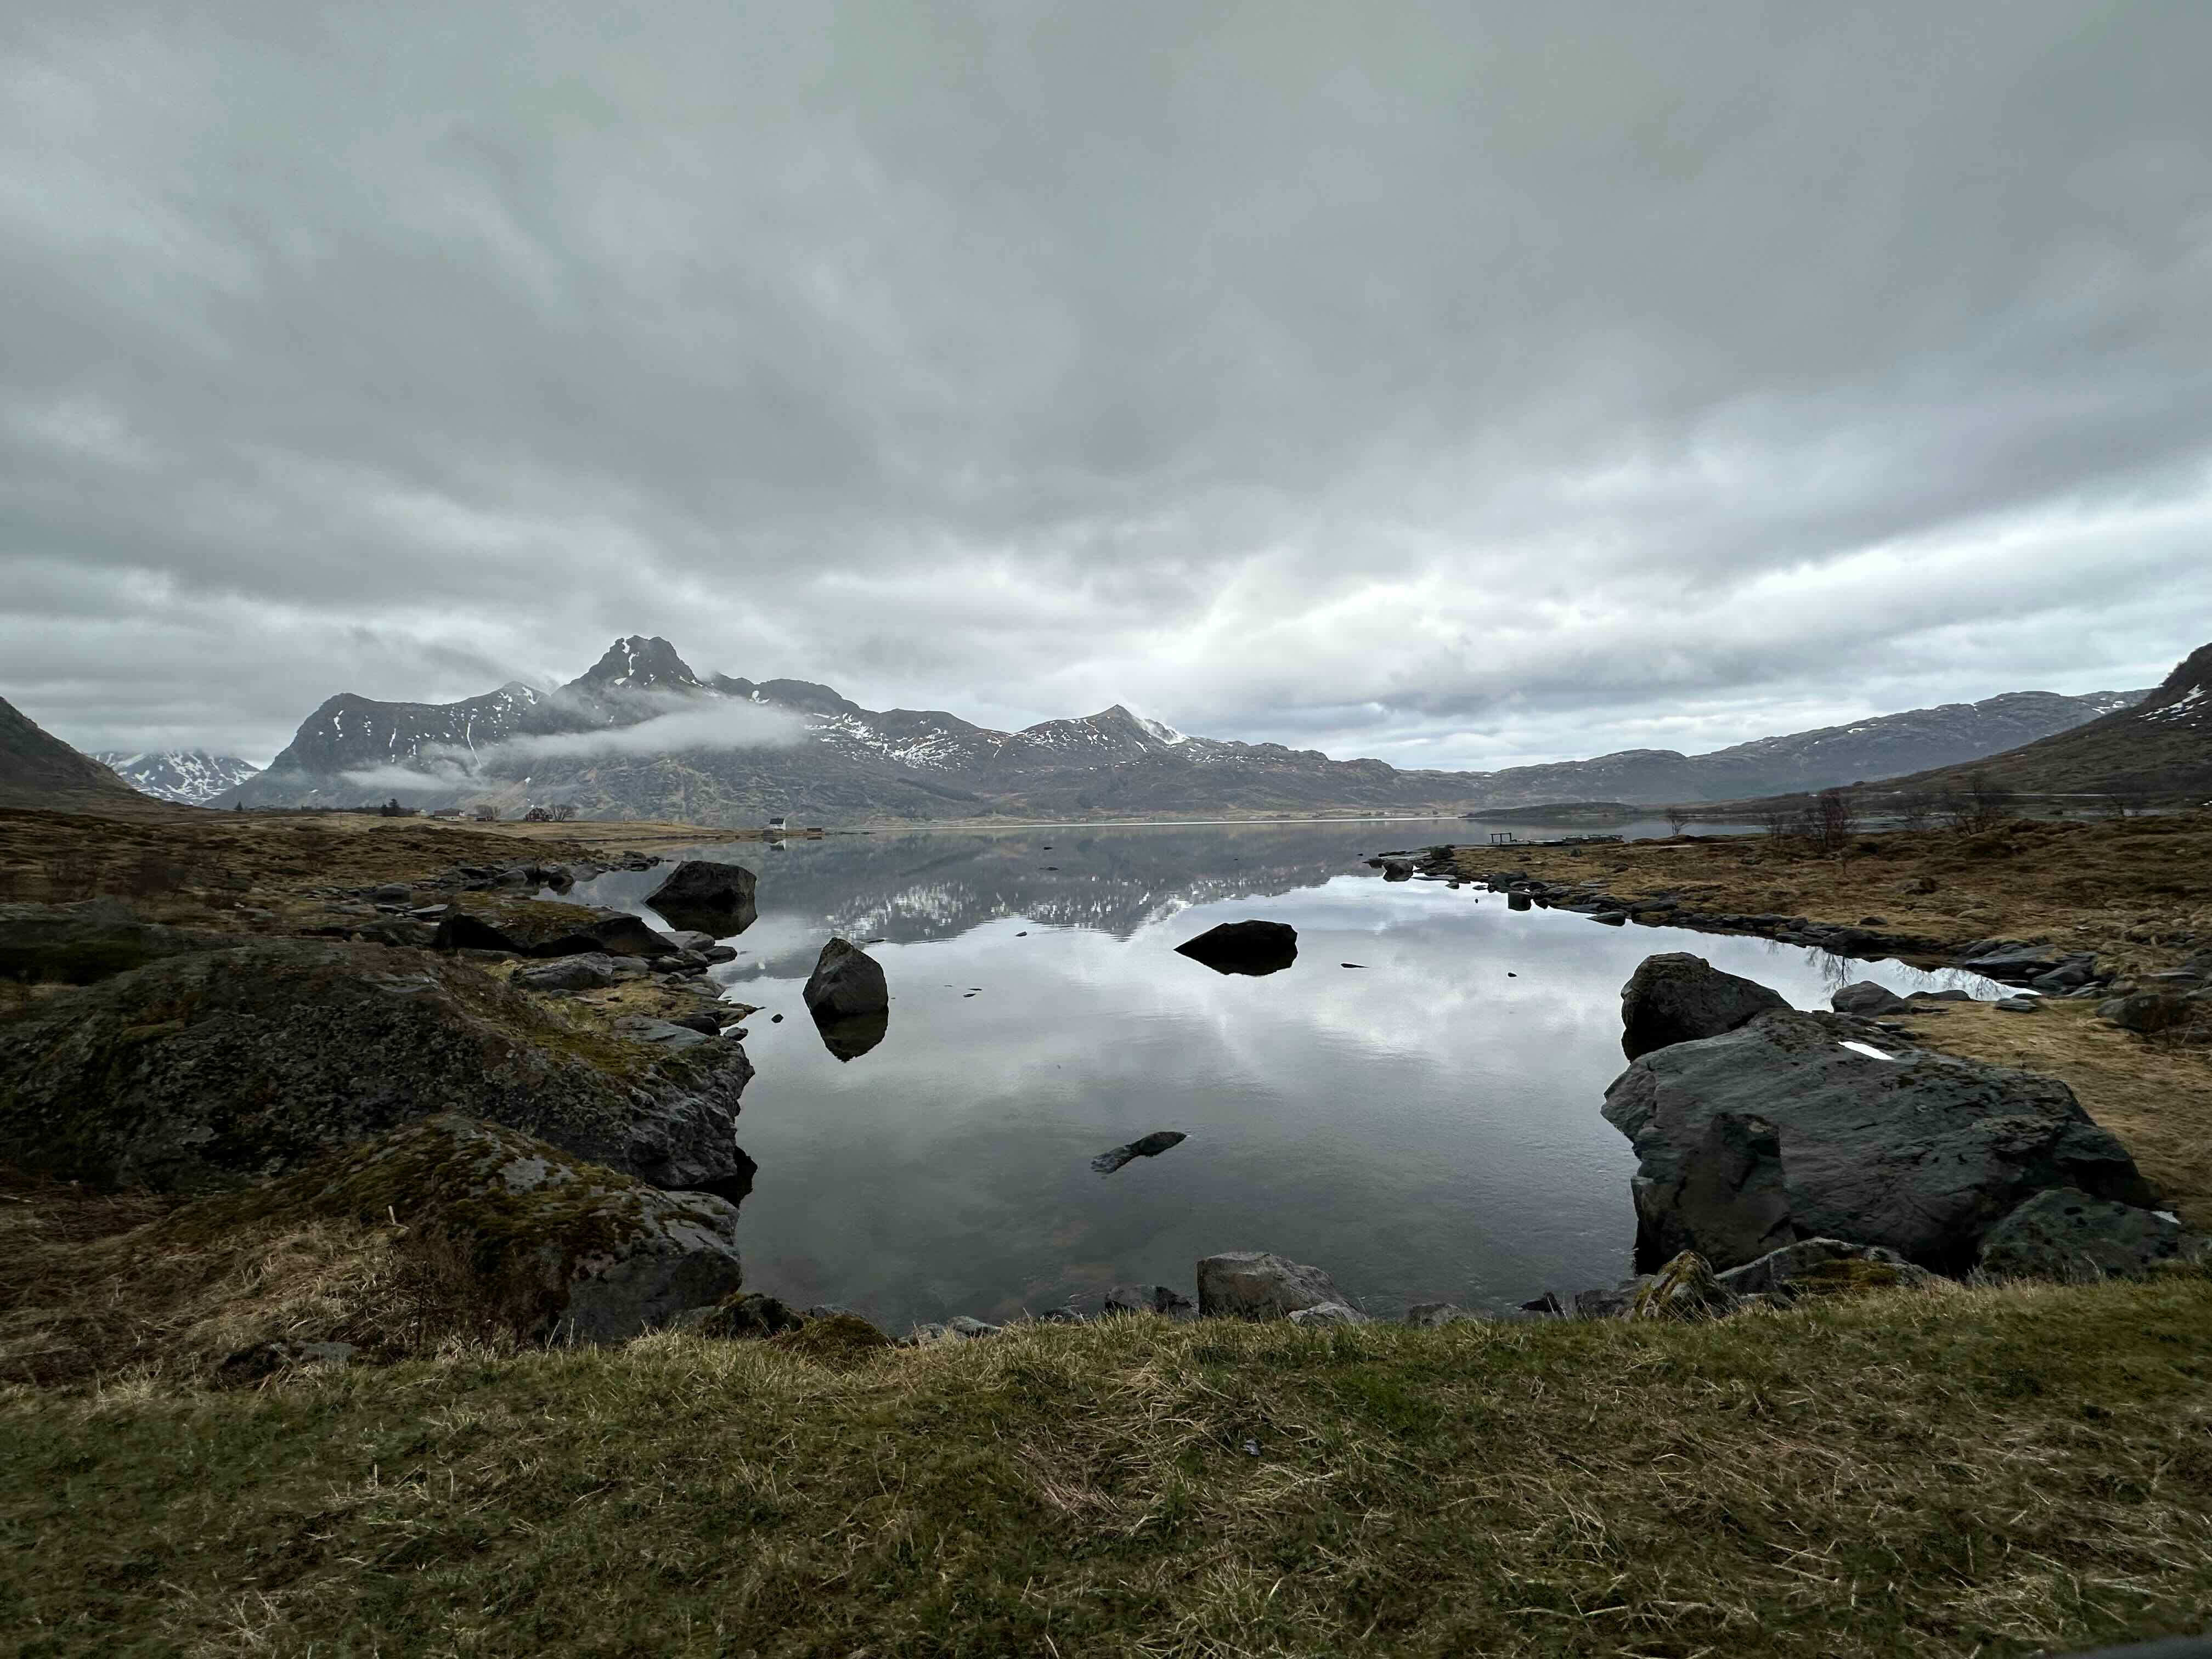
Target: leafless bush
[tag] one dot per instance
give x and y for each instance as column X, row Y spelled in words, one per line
column 1832, row 821
column 1916, row 810
column 1677, row 820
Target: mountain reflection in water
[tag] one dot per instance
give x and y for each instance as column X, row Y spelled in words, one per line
column 1426, row 1129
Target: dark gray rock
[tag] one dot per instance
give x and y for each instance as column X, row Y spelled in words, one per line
column 524, row 927
column 225, row 1066
column 2147, row 1012
column 1254, row 1284
column 1328, row 1313
column 1244, row 947
column 2068, row 1235
column 1609, row 1302
column 1680, row 998
column 1149, row 1298
column 746, row 1314
column 716, row 899
column 1429, row 1315
column 592, row 971
column 850, row 1038
column 1813, row 1265
column 673, row 1035
column 1151, row 1145
column 690, row 939
column 2018, row 1005
column 1727, row 1200
column 1867, row 999
column 2014, row 964
column 1923, row 1153
column 847, row 981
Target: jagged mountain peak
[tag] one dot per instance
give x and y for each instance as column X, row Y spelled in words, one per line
column 639, row 664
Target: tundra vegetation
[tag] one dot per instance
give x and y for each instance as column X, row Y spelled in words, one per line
column 1934, row 1469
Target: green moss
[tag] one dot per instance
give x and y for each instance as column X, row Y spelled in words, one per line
column 840, row 1342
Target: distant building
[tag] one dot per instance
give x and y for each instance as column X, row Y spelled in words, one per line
column 775, row 825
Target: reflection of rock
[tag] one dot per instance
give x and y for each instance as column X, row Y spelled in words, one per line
column 846, row 982
column 1680, row 998
column 1244, row 947
column 1921, row 1152
column 852, row 1036
column 715, row 898
column 1150, row 1146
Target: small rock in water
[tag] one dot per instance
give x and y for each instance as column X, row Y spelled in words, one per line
column 1548, row 1302
column 1025, row 933
column 1244, row 947
column 1352, row 964
column 775, row 1020
column 1150, row 1146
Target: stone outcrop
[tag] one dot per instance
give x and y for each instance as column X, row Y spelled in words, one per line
column 225, row 1066
column 79, row 944
column 592, row 970
column 1254, row 1284
column 1922, row 1153
column 548, row 1245
column 716, row 899
column 846, row 982
column 1244, row 947
column 2064, row 1234
column 1680, row 998
column 532, row 927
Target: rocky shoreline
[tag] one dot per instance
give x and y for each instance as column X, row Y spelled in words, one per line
column 550, row 1093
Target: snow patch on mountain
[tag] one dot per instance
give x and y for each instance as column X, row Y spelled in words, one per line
column 191, row 776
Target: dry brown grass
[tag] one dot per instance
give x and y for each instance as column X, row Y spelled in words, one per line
column 2156, row 1098
column 2133, row 890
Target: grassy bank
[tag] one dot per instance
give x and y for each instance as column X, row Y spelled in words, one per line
column 1991, row 1472
column 2133, row 889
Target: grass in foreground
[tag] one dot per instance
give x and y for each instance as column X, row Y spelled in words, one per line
column 1986, row 1471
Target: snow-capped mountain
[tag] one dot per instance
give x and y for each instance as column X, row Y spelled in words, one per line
column 192, row 777
column 640, row 735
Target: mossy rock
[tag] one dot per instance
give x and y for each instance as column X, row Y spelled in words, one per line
column 83, row 943
column 533, row 928
column 842, row 1341
column 198, row 1071
column 544, row 1243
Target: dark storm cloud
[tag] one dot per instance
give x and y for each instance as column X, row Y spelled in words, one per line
column 1459, row 384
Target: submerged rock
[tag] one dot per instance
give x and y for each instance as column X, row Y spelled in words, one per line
column 1244, row 947
column 1151, row 1145
column 1680, row 998
column 225, row 1066
column 1922, row 1153
column 1254, row 1284
column 716, row 899
column 2064, row 1234
column 547, row 1245
column 847, row 981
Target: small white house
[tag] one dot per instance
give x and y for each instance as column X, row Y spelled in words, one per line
column 775, row 825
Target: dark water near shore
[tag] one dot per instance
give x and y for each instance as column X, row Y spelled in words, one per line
column 1424, row 1126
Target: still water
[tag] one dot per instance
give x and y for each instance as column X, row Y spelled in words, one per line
column 1423, row 1125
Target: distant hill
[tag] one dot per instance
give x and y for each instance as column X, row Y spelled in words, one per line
column 191, row 777
column 39, row 769
column 2158, row 749
column 642, row 735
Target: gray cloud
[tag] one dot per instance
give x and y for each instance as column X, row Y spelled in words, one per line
column 1458, row 384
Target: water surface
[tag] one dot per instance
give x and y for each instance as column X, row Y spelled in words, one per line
column 1424, row 1125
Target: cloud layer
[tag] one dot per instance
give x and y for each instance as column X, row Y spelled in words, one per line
column 1458, row 384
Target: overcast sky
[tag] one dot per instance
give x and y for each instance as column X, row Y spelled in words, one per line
column 1463, row 384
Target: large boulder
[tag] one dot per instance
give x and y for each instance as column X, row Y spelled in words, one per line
column 230, row 1065
column 713, row 898
column 2148, row 1012
column 1816, row 1266
column 1254, row 1284
column 1921, row 1152
column 1727, row 1200
column 545, row 1245
column 1244, row 947
column 1680, row 998
column 846, row 982
column 2064, row 1233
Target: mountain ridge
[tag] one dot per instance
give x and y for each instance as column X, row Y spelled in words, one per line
column 190, row 777
column 593, row 743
